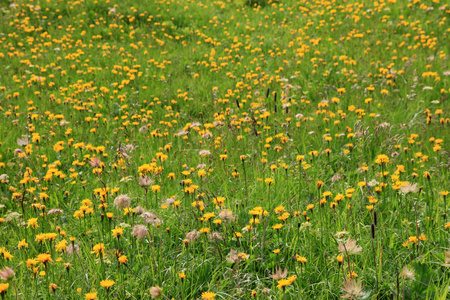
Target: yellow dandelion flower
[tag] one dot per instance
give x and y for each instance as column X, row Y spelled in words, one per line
column 208, row 295
column 107, row 283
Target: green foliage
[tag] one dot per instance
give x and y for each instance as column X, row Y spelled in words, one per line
column 271, row 134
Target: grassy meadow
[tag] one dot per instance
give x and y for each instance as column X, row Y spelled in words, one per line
column 187, row 149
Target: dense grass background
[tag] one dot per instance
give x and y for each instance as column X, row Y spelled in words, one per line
column 295, row 103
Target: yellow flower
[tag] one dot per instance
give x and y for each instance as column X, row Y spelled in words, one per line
column 52, row 287
column 352, row 274
column 3, row 288
column 99, row 249
column 301, row 259
column 90, row 296
column 106, row 283
column 33, row 222
column 279, row 209
column 255, row 213
column 413, row 239
column 285, row 282
column 145, row 169
column 243, row 256
column 208, row 216
column 44, row 258
column 123, row 259
column 205, row 230
column 269, row 181
column 7, row 255
column 219, row 201
column 61, row 246
column 156, row 188
column 277, row 226
column 117, row 232
column 78, row 214
column 31, row 263
column 284, row 216
column 201, row 173
column 50, row 236
column 382, row 159
column 22, row 244
column 208, row 295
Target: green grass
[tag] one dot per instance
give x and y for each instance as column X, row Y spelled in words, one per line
column 146, row 86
